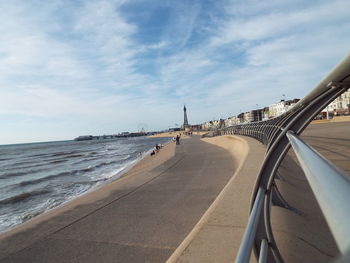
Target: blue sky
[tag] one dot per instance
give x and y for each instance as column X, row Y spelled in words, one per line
column 69, row 68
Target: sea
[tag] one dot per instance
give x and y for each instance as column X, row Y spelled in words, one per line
column 38, row 177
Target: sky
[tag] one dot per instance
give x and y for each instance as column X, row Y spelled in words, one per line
column 76, row 67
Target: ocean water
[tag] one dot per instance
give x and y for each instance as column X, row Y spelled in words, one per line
column 37, row 177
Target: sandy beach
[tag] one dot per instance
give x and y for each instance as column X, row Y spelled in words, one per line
column 144, row 165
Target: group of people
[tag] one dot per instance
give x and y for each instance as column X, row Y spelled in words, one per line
column 159, row 146
column 156, row 149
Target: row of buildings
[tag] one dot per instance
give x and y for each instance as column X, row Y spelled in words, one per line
column 340, row 106
column 265, row 113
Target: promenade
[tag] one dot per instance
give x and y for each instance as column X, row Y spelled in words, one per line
column 192, row 208
column 144, row 218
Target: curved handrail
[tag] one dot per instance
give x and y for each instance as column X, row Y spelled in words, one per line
column 273, row 134
column 331, row 187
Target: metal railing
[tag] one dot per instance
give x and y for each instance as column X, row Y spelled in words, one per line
column 330, row 186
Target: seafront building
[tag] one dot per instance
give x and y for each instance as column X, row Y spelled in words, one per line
column 233, row 120
column 340, row 106
column 279, row 108
column 210, row 125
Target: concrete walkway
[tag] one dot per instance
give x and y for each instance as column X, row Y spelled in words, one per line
column 144, row 220
column 217, row 236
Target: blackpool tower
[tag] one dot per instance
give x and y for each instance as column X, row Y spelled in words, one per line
column 185, row 118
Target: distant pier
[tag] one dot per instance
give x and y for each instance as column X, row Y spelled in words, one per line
column 113, row 136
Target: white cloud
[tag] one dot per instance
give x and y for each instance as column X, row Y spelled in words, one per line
column 158, row 45
column 276, row 23
column 182, row 22
column 84, row 64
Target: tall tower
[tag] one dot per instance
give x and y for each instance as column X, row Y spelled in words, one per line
column 185, row 118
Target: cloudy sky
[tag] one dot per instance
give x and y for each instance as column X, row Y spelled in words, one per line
column 70, row 68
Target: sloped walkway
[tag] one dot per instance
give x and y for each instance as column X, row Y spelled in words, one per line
column 144, row 219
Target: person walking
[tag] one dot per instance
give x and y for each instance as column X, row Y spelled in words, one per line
column 177, row 139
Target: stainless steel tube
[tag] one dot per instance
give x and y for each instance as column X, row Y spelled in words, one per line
column 331, row 188
column 249, row 233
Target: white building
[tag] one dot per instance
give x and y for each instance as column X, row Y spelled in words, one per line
column 279, row 108
column 340, row 106
column 206, row 125
column 211, row 125
column 230, row 121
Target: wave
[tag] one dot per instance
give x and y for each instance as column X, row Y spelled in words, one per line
column 22, row 197
column 62, row 153
column 22, row 165
column 46, row 178
column 64, row 159
column 62, row 174
column 75, row 155
column 58, row 161
column 11, row 167
column 23, row 173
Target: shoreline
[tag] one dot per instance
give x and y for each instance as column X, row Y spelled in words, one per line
column 145, row 164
